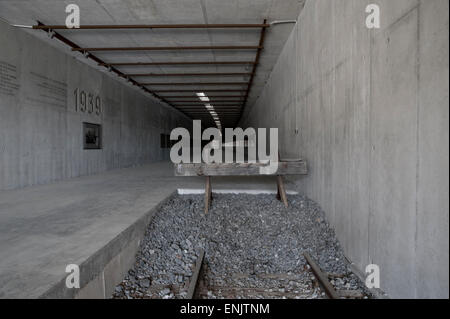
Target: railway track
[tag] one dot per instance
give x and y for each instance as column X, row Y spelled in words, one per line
column 311, row 283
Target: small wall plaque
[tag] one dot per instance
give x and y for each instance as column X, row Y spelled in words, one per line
column 92, row 136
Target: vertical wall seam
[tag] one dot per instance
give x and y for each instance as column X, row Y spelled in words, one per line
column 333, row 106
column 417, row 146
column 371, row 39
column 103, row 284
column 351, row 127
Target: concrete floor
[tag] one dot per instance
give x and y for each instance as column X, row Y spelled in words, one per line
column 46, row 227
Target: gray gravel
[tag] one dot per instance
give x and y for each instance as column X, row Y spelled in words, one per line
column 253, row 249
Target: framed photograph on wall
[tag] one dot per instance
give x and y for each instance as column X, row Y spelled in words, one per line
column 92, row 136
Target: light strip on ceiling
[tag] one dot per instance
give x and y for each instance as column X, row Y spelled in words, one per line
column 202, row 96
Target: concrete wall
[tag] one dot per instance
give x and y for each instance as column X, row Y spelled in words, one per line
column 371, row 108
column 41, row 137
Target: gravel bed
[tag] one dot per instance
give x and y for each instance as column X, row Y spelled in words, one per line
column 253, row 249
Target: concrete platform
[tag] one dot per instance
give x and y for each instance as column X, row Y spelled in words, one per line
column 95, row 222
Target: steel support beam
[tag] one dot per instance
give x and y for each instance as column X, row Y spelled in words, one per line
column 112, row 67
column 210, row 101
column 178, row 63
column 186, row 74
column 210, row 96
column 198, row 90
column 91, row 56
column 153, row 26
column 178, row 48
column 218, row 107
column 194, row 83
column 257, row 58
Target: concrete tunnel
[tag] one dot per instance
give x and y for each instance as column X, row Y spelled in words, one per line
column 357, row 90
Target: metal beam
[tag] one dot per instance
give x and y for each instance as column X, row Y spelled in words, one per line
column 178, row 48
column 187, row 74
column 201, row 105
column 220, row 115
column 329, row 289
column 198, row 90
column 153, row 26
column 177, row 63
column 195, row 276
column 257, row 58
column 215, row 108
column 210, row 101
column 195, row 83
column 210, row 96
column 75, row 46
column 223, row 119
column 218, row 107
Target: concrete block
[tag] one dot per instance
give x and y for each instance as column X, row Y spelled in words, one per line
column 95, row 289
column 112, row 275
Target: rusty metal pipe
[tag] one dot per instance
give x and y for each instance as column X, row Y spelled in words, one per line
column 153, row 26
column 180, row 48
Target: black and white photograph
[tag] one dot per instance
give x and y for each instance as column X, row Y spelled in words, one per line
column 92, row 136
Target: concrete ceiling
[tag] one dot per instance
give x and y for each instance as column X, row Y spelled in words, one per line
column 52, row 12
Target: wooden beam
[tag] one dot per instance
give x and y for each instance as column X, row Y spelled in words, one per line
column 281, row 191
column 239, row 169
column 352, row 294
column 207, row 194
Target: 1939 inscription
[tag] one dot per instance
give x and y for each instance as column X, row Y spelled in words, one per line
column 87, row 102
